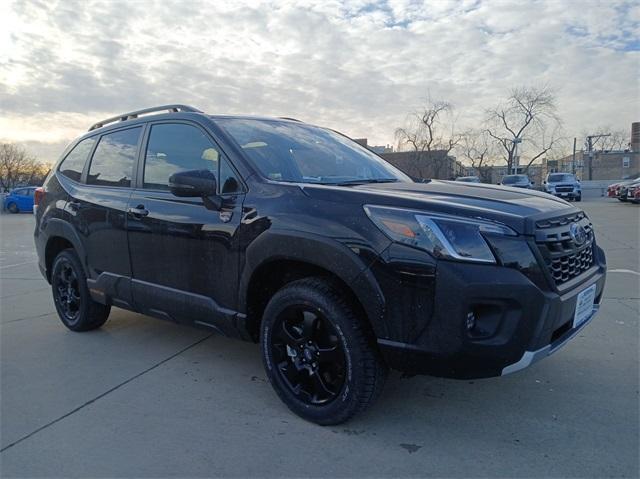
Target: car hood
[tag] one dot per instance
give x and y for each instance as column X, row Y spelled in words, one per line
column 515, row 207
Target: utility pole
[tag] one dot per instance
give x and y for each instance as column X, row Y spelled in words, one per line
column 516, row 159
column 590, row 144
column 573, row 160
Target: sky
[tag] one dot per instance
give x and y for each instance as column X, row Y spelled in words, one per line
column 356, row 66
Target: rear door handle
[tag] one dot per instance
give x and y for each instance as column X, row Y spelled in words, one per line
column 139, row 211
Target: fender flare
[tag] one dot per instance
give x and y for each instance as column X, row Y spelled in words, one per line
column 330, row 255
column 56, row 227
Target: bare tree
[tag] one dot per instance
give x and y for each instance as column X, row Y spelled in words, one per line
column 430, row 134
column 17, row 167
column 526, row 123
column 477, row 147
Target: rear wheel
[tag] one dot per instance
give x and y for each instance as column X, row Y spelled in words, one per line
column 13, row 208
column 74, row 304
column 317, row 353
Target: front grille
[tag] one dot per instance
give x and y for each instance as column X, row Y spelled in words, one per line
column 563, row 257
column 564, row 189
column 564, row 268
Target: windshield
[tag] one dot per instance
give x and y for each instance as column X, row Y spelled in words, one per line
column 508, row 180
column 296, row 152
column 559, row 177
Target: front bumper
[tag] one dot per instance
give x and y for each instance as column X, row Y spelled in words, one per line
column 566, row 194
column 531, row 357
column 520, row 318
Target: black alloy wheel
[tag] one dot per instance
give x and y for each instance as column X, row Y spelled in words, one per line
column 66, row 292
column 75, row 306
column 319, row 353
column 308, row 354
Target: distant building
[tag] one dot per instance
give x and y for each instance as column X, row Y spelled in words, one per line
column 427, row 164
column 603, row 164
column 376, row 149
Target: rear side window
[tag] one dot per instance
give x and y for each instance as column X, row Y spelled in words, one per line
column 175, row 147
column 73, row 164
column 112, row 163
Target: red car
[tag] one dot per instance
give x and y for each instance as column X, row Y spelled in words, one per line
column 633, row 192
column 614, row 190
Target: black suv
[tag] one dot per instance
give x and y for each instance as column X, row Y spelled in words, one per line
column 279, row 232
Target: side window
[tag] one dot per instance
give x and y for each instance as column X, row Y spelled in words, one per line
column 18, row 192
column 227, row 179
column 73, row 164
column 112, row 163
column 29, row 192
column 175, row 147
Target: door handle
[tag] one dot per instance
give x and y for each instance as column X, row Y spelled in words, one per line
column 139, row 211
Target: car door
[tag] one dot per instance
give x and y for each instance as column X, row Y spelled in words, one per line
column 27, row 200
column 97, row 207
column 18, row 198
column 184, row 256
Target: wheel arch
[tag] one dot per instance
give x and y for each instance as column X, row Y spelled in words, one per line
column 60, row 236
column 275, row 259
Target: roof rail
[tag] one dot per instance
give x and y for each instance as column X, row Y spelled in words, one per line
column 289, row 118
column 135, row 114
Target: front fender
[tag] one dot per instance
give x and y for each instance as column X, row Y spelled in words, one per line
column 349, row 263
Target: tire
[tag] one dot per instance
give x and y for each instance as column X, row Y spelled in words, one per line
column 352, row 374
column 579, row 198
column 75, row 307
column 13, row 208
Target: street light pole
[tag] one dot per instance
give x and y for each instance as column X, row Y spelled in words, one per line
column 516, row 159
column 590, row 144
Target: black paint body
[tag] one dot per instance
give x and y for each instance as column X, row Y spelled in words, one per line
column 189, row 264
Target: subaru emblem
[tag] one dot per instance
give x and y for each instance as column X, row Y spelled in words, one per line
column 578, row 234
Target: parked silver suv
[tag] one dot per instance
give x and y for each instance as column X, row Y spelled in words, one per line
column 564, row 185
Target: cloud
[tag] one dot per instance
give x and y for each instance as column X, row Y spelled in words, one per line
column 357, row 66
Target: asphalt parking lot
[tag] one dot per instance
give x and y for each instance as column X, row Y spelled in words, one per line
column 141, row 397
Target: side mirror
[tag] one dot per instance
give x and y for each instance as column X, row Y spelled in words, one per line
column 194, row 183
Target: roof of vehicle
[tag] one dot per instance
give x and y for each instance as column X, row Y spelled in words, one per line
column 167, row 110
column 516, row 176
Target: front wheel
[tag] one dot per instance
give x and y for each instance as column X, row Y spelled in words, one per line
column 13, row 208
column 318, row 354
column 76, row 309
column 579, row 198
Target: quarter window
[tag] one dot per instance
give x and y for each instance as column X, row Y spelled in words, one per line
column 175, row 147
column 112, row 163
column 73, row 164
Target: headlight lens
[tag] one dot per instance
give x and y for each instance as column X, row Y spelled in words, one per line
column 444, row 236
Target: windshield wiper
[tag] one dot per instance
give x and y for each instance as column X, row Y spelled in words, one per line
column 363, row 181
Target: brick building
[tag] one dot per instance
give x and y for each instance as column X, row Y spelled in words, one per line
column 428, row 164
column 602, row 165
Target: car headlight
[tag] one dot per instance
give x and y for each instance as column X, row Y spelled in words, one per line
column 444, row 236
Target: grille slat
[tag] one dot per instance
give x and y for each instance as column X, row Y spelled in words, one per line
column 564, row 258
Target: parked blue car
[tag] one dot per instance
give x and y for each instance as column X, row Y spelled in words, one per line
column 20, row 200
